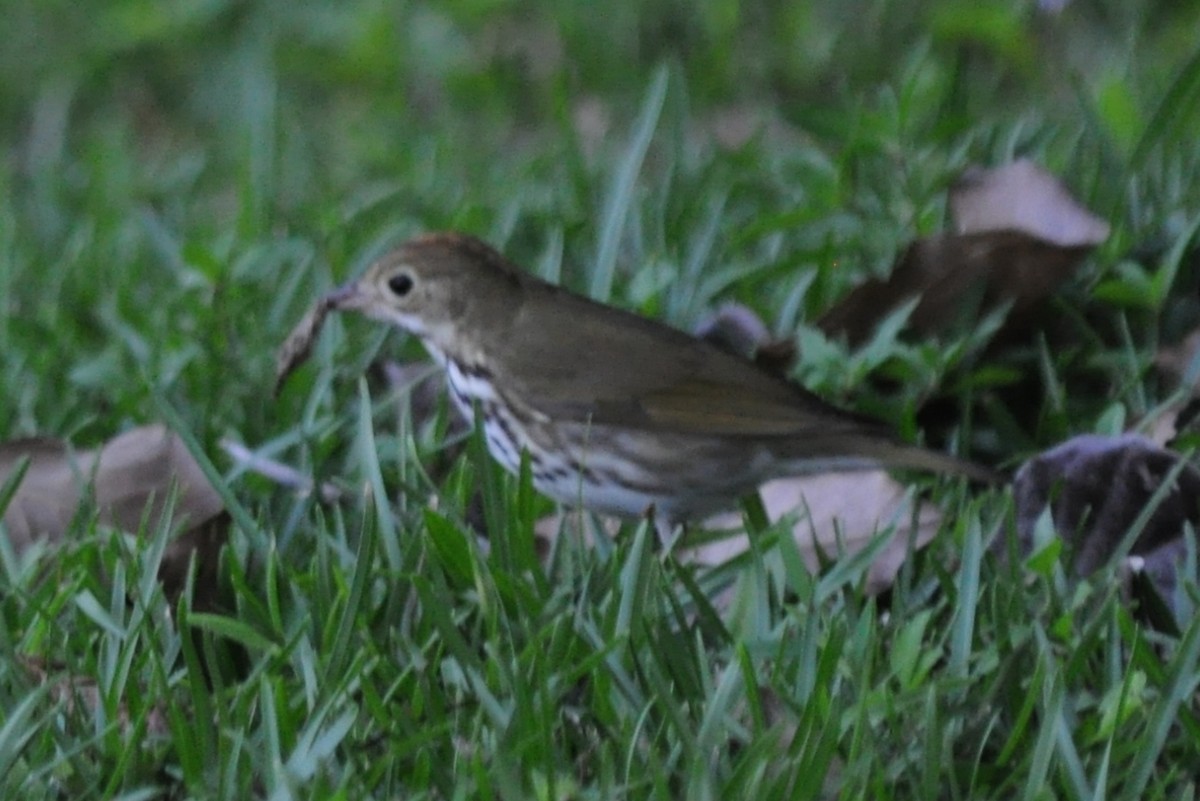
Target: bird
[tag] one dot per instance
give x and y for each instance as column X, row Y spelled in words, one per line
column 618, row 413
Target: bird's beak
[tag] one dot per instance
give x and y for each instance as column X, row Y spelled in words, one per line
column 347, row 297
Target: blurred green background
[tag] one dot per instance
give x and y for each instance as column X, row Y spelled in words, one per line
column 180, row 179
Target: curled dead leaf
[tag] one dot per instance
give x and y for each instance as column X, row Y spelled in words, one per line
column 958, row 277
column 1096, row 488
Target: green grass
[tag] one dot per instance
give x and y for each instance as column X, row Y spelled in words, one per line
column 178, row 181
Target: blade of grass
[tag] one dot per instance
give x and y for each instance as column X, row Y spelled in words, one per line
column 620, row 194
column 232, row 505
column 364, row 561
column 1042, row 754
column 18, row 729
column 966, row 601
column 369, row 461
column 13, row 483
column 1173, row 111
column 1180, row 685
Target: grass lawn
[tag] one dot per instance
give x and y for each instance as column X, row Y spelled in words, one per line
column 180, row 180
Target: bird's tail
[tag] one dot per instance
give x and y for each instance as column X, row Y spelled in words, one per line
column 870, row 452
column 901, row 455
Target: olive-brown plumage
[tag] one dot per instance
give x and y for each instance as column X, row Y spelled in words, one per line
column 618, row 413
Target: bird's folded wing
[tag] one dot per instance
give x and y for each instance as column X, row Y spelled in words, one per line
column 623, row 370
column 697, row 406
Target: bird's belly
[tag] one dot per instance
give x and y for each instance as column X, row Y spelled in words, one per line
column 628, row 473
column 576, row 475
column 572, row 489
column 622, row 472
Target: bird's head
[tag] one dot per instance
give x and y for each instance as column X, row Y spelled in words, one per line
column 440, row 287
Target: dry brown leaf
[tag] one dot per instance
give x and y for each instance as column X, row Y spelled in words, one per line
column 1021, row 196
column 839, row 514
column 737, row 329
column 1163, row 427
column 592, row 120
column 1020, row 236
column 733, row 126
column 131, row 477
column 1175, row 360
column 74, row 692
column 958, row 277
column 1096, row 489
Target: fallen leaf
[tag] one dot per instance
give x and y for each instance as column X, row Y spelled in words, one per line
column 1180, row 361
column 82, row 694
column 734, row 126
column 1179, row 364
column 592, row 121
column 1021, row 196
column 130, row 480
column 839, row 515
column 1019, row 236
column 739, row 330
column 1096, row 487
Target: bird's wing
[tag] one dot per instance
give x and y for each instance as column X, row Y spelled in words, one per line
column 701, row 404
column 620, row 369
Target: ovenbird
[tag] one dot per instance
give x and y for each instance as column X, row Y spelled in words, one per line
column 618, row 413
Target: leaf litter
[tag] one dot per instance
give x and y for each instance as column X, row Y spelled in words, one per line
column 1018, row 236
column 129, row 479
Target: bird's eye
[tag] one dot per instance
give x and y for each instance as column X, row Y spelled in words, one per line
column 400, row 284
